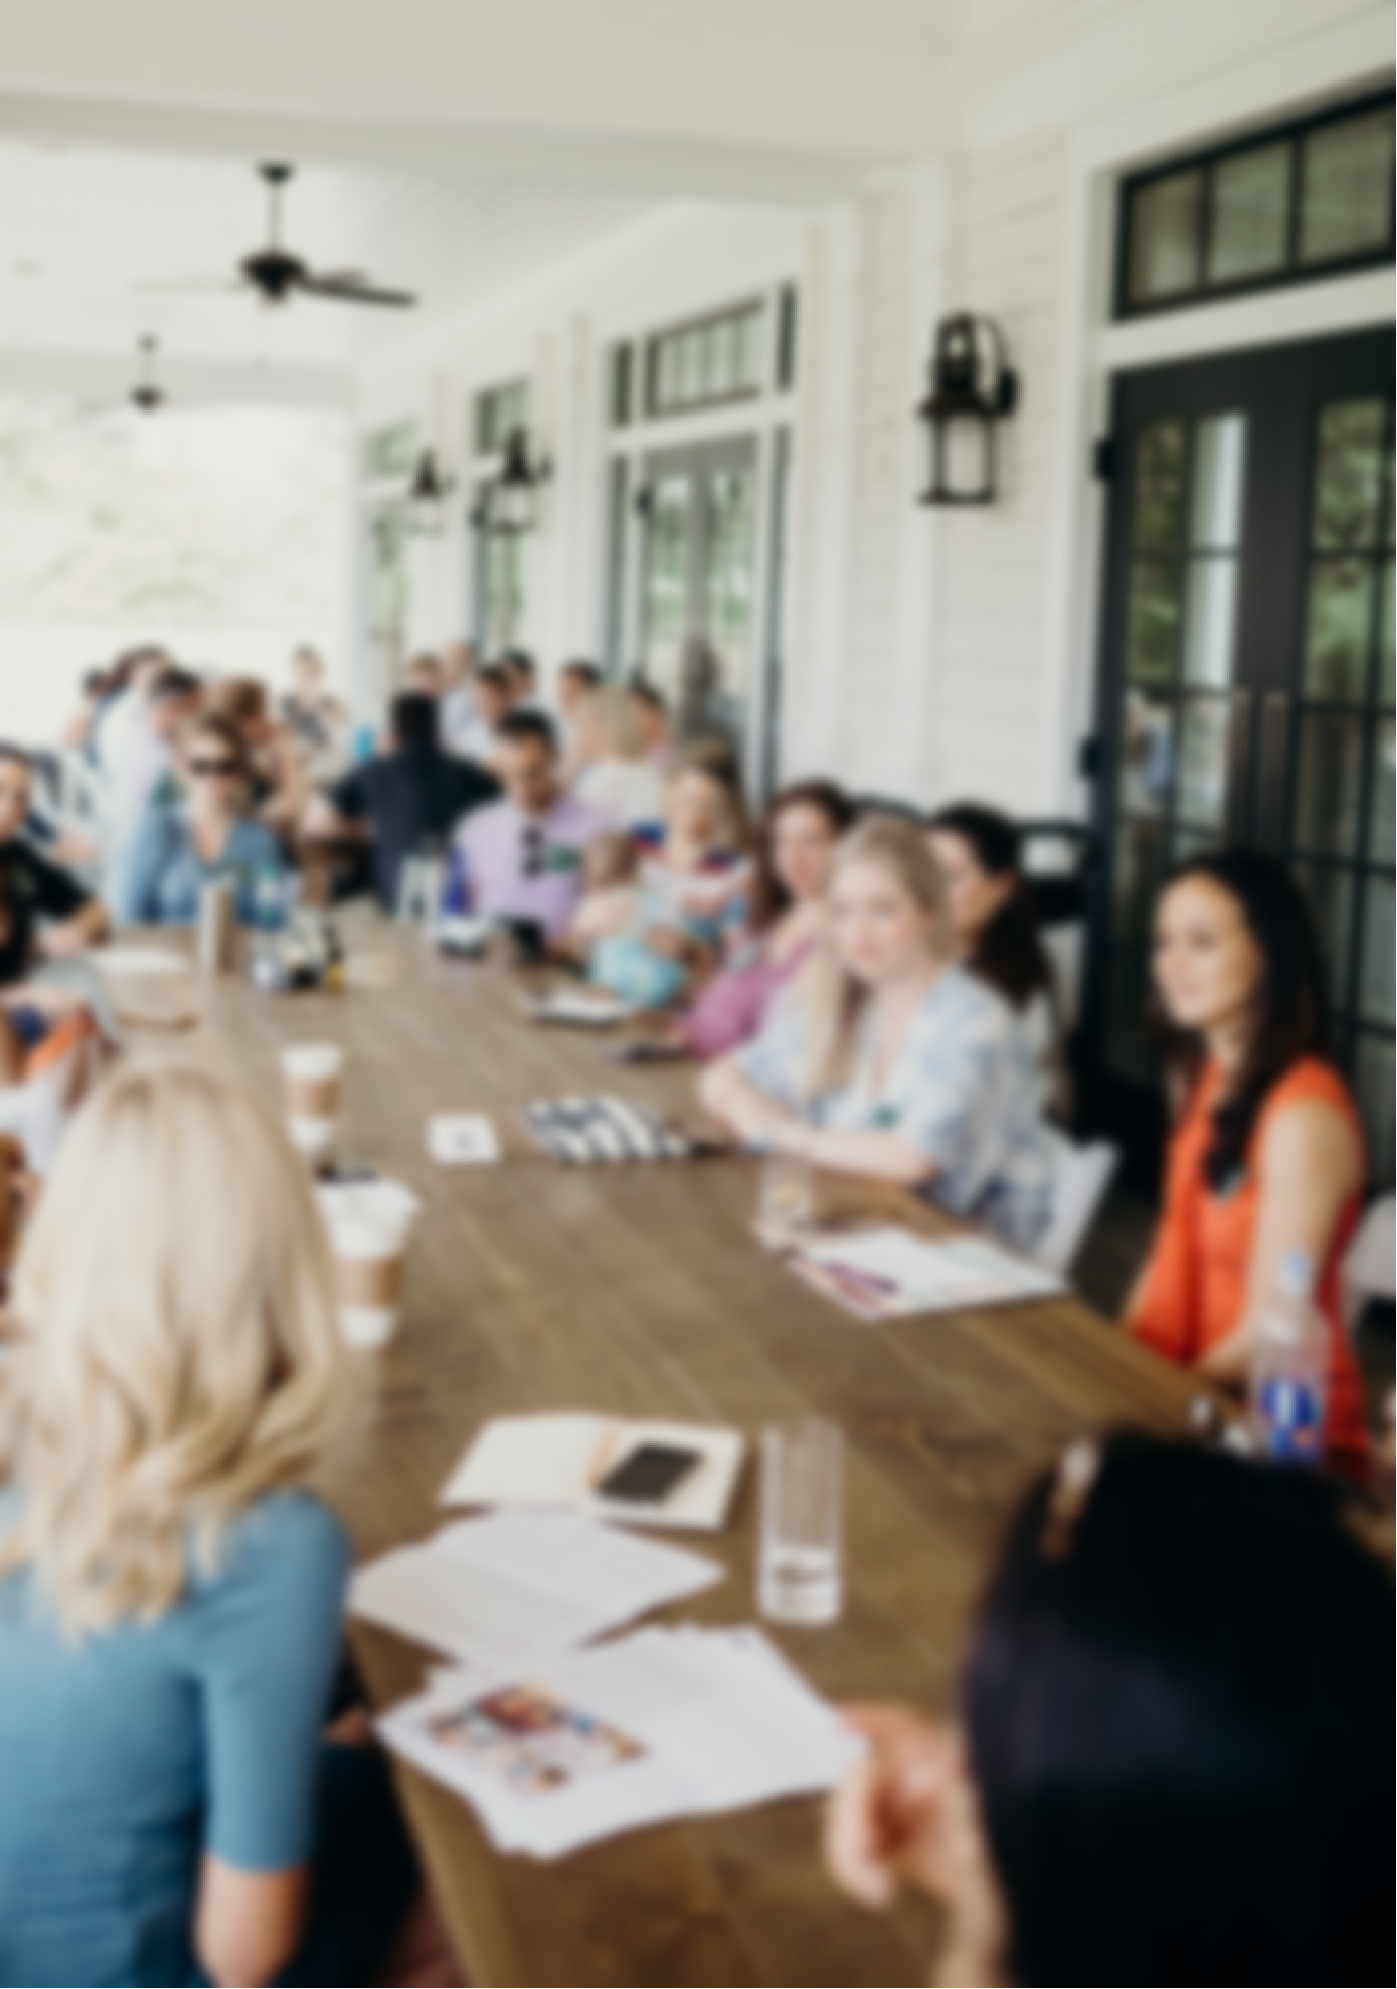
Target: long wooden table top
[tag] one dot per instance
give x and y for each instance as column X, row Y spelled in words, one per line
column 642, row 1291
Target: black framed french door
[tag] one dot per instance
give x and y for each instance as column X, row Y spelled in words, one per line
column 1246, row 685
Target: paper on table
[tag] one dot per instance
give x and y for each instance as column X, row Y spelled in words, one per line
column 565, row 1005
column 502, row 1589
column 891, row 1273
column 464, row 1140
column 662, row 1724
column 555, row 1461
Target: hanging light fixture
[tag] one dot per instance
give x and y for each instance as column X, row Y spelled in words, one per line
column 147, row 396
column 426, row 497
column 972, row 391
column 508, row 503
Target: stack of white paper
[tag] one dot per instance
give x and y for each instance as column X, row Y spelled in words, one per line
column 496, row 1591
column 557, row 1461
column 893, row 1273
column 662, row 1724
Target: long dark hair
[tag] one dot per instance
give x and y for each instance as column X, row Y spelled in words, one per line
column 1179, row 1708
column 770, row 899
column 1289, row 1016
column 1009, row 954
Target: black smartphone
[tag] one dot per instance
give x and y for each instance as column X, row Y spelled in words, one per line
column 530, row 941
column 650, row 1474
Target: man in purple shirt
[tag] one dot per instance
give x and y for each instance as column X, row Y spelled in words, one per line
column 523, row 856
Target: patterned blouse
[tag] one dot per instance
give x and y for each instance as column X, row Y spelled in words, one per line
column 964, row 1091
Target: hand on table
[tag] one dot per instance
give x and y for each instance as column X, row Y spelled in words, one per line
column 890, row 1821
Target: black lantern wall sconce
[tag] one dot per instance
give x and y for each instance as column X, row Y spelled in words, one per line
column 426, row 497
column 973, row 389
column 509, row 502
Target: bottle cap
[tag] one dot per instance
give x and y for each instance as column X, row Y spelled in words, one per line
column 1297, row 1274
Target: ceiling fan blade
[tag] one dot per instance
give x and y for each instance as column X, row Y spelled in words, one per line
column 343, row 289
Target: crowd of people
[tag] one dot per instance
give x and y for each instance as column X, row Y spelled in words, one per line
column 1181, row 1656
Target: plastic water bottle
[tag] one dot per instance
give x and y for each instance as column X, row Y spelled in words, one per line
column 1290, row 1368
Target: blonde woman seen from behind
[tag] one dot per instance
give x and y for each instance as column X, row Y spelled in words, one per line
column 609, row 747
column 888, row 1059
column 170, row 1590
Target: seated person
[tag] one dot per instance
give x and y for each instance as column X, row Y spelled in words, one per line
column 1166, row 1771
column 278, row 780
column 611, row 772
column 409, row 798
column 521, row 858
column 211, row 838
column 981, row 856
column 44, row 914
column 492, row 699
column 887, row 1059
column 656, row 730
column 574, row 684
column 1268, row 1154
column 612, row 924
column 171, row 1590
column 795, row 858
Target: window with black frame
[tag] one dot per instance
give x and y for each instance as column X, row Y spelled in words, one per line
column 1312, row 198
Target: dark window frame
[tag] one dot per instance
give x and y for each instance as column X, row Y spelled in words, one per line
column 656, row 409
column 1292, row 273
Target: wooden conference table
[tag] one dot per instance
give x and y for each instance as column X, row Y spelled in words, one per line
column 643, row 1292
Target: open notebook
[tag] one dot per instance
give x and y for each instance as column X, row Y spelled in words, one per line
column 555, row 1461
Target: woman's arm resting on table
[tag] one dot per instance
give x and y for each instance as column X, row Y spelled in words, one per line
column 1311, row 1168
column 757, row 1120
column 249, row 1924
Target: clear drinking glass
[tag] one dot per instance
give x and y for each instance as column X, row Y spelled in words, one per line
column 785, row 1196
column 800, row 1578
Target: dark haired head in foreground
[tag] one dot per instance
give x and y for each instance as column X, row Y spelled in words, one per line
column 1178, row 1713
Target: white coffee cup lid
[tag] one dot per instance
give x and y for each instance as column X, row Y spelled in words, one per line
column 367, row 1239
column 312, row 1060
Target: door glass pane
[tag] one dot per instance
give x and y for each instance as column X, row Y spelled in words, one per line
column 1147, row 754
column 1341, row 620
column 1219, row 458
column 1330, row 894
column 1380, row 848
column 1164, row 237
column 1377, row 952
column 1159, row 485
column 1350, row 494
column 728, row 588
column 1331, row 784
column 1156, row 586
column 1385, row 671
column 1347, row 188
column 1211, row 623
column 667, row 580
column 1251, row 197
column 1374, row 1081
column 1203, row 762
column 1139, row 872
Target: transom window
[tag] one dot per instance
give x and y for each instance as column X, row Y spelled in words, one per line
column 1310, row 199
column 497, row 414
column 706, row 363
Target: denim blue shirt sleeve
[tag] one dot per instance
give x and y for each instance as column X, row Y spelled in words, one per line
column 164, row 872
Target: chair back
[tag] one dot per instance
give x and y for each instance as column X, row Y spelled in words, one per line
column 1368, row 1270
column 1083, row 1175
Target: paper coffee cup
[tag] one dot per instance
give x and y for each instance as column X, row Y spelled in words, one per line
column 370, row 1262
column 313, row 1073
column 312, row 1138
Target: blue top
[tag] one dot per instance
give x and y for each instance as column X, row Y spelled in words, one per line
column 124, row 1758
column 163, row 872
column 965, row 1091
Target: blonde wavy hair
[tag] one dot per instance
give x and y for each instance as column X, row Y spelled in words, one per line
column 179, row 1353
column 837, row 1003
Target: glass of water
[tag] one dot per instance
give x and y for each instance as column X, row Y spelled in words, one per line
column 800, row 1578
column 785, row 1197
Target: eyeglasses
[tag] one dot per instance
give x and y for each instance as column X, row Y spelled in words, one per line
column 214, row 769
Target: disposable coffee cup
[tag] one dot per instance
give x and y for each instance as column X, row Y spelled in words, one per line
column 312, row 1138
column 314, row 1073
column 370, row 1262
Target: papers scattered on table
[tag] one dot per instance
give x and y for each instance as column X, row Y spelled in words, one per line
column 371, row 971
column 893, row 1273
column 468, row 1140
column 555, row 1461
column 502, row 1590
column 603, row 1129
column 663, row 1724
column 578, row 1008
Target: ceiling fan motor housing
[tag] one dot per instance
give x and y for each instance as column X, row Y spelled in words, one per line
column 275, row 274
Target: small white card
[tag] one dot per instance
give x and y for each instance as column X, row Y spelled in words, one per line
column 466, row 1140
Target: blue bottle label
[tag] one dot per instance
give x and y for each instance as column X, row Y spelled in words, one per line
column 1292, row 1416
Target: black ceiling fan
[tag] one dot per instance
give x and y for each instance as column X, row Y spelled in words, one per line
column 276, row 276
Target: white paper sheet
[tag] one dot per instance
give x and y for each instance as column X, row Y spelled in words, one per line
column 555, row 1461
column 501, row 1590
column 463, row 1140
column 662, row 1724
column 892, row 1273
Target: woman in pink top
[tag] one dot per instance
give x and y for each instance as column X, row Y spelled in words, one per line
column 795, row 856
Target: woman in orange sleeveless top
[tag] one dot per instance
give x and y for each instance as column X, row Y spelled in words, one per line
column 1268, row 1154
